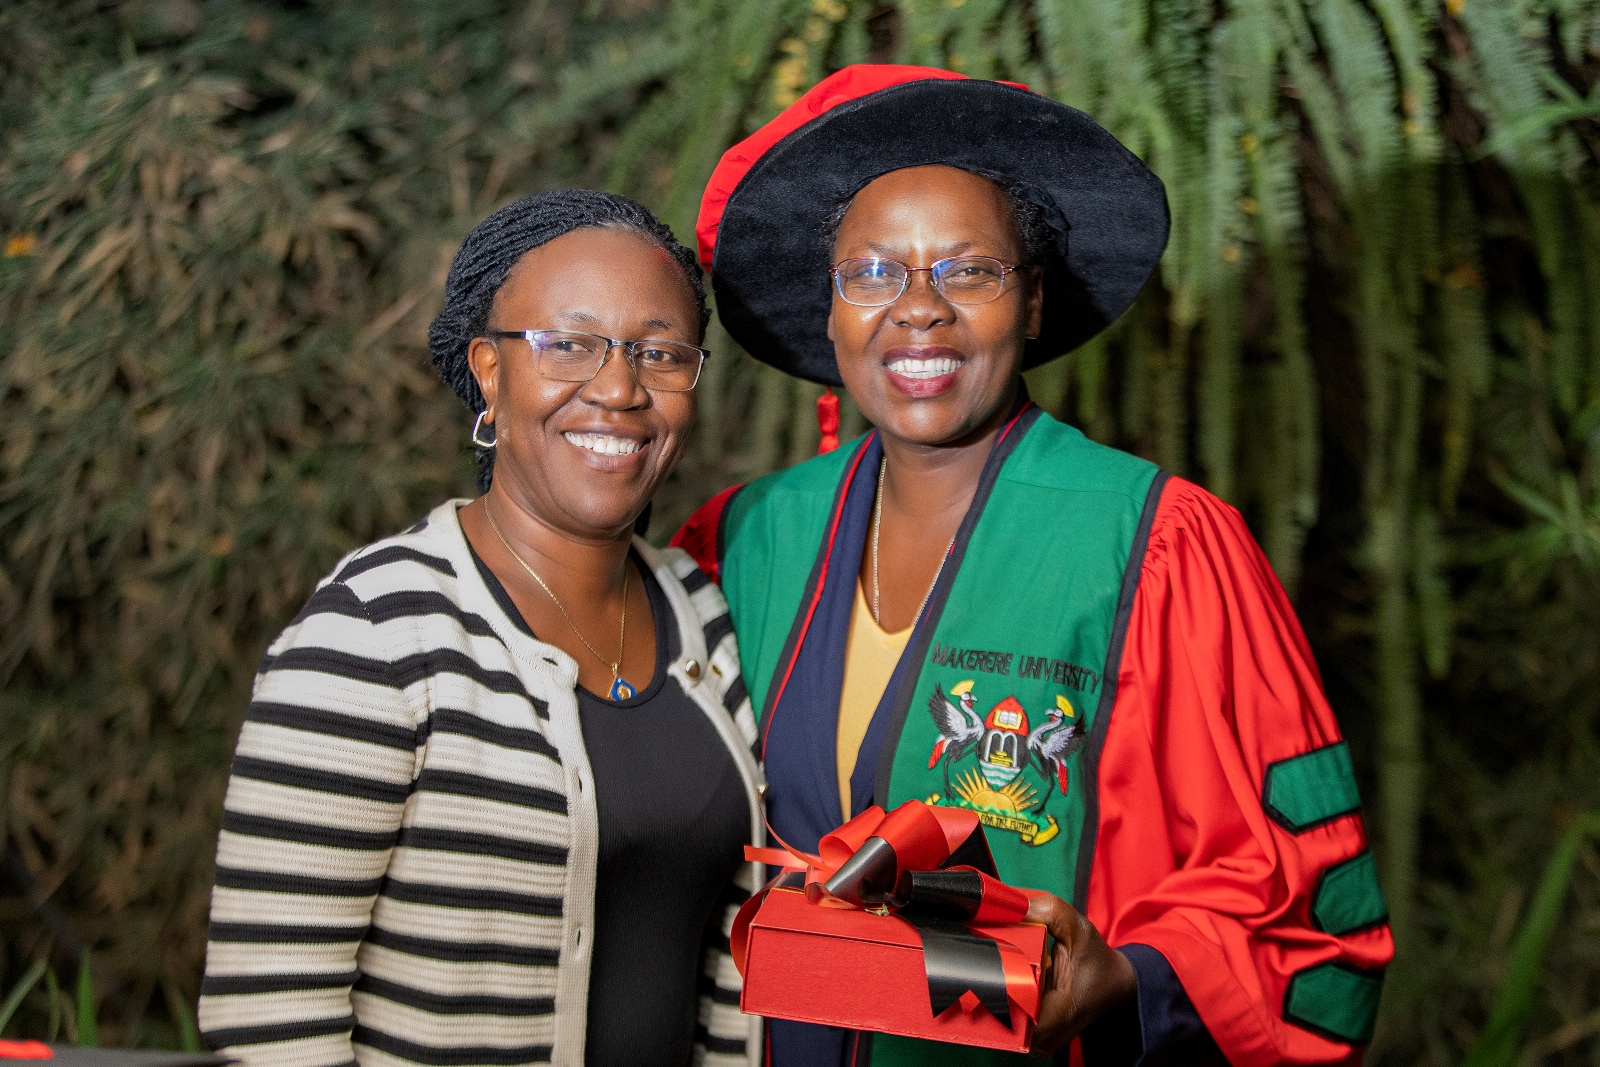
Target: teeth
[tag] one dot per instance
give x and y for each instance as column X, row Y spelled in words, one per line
column 604, row 443
column 924, row 368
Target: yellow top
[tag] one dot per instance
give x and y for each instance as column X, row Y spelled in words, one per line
column 869, row 660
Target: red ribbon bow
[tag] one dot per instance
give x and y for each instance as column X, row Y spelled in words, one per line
column 930, row 867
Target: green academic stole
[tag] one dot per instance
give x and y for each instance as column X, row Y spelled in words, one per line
column 1005, row 701
column 1017, row 664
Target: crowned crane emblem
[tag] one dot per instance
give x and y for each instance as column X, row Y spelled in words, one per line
column 959, row 726
column 1055, row 740
column 1003, row 747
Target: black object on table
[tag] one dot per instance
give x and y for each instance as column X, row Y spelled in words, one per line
column 66, row 1056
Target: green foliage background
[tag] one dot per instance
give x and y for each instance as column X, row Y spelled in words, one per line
column 1377, row 331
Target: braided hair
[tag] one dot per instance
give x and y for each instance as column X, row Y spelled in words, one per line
column 493, row 247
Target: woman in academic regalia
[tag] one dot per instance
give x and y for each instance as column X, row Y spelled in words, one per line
column 975, row 605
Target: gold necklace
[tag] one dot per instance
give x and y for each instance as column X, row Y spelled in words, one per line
column 877, row 522
column 620, row 688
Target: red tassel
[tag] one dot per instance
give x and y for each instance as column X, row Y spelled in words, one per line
column 828, row 422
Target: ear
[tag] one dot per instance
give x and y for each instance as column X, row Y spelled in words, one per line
column 483, row 357
column 830, row 320
column 1035, row 301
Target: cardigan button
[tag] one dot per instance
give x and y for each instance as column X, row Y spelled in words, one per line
column 692, row 669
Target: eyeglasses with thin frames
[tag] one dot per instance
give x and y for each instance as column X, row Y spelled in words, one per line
column 571, row 356
column 872, row 281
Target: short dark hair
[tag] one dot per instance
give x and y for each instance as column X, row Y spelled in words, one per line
column 493, row 247
column 1039, row 242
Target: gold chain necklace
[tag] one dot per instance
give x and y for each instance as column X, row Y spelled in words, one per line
column 877, row 522
column 620, row 688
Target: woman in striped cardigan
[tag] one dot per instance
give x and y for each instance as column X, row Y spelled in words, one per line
column 489, row 800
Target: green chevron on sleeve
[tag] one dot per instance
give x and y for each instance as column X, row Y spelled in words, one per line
column 1312, row 788
column 1348, row 897
column 1335, row 1001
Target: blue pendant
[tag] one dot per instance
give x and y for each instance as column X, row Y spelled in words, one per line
column 621, row 690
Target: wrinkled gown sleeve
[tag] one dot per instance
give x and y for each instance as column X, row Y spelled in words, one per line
column 1228, row 835
column 701, row 535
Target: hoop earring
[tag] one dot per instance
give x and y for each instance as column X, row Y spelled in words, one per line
column 477, row 428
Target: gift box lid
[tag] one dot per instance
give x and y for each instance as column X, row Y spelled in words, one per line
column 788, row 909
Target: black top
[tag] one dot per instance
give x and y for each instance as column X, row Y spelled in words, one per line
column 673, row 822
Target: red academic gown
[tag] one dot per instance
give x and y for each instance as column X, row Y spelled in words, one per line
column 1216, row 686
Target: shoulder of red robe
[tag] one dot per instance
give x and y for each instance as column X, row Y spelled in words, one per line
column 701, row 534
column 851, row 83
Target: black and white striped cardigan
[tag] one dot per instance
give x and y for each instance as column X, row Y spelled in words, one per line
column 406, row 868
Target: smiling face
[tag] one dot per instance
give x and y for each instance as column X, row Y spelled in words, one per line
column 922, row 369
column 585, row 457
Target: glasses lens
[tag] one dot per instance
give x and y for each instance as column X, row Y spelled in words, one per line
column 567, row 357
column 667, row 365
column 870, row 282
column 970, row 279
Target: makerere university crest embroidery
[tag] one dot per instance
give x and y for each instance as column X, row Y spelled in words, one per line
column 997, row 766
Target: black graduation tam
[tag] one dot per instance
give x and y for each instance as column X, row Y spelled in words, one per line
column 760, row 227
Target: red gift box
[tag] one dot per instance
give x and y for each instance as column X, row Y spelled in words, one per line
column 852, row 968
column 827, row 948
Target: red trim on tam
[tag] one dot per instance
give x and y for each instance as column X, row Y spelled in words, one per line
column 851, row 83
